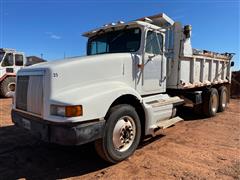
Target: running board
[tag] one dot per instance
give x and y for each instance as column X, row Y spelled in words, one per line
column 165, row 124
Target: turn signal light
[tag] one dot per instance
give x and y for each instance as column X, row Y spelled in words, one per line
column 67, row 111
column 72, row 111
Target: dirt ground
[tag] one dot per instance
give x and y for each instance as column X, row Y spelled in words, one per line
column 196, row 148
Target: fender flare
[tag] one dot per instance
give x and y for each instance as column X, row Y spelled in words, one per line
column 7, row 75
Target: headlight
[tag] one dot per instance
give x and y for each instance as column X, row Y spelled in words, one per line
column 67, row 111
column 60, row 110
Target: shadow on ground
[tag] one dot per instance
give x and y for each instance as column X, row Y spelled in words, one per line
column 23, row 156
column 188, row 114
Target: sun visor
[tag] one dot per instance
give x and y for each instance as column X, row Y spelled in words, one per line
column 161, row 20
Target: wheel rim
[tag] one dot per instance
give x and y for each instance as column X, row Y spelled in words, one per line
column 224, row 99
column 124, row 133
column 214, row 103
column 11, row 87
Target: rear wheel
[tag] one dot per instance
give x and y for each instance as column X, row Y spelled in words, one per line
column 223, row 95
column 210, row 102
column 121, row 135
column 197, row 109
column 7, row 86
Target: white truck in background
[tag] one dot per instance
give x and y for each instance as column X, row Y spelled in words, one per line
column 10, row 62
column 129, row 85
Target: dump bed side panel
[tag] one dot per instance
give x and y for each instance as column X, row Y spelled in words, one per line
column 198, row 71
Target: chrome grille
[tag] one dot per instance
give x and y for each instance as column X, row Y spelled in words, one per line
column 29, row 94
column 21, row 92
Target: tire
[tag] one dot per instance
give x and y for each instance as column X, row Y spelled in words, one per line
column 122, row 122
column 223, row 95
column 7, row 86
column 198, row 109
column 210, row 102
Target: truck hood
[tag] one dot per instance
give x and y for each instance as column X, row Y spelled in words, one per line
column 72, row 73
column 76, row 60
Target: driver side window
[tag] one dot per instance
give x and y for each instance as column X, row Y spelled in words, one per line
column 8, row 60
column 153, row 43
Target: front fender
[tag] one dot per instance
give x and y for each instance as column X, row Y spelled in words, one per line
column 95, row 99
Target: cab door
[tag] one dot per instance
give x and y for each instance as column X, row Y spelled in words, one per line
column 154, row 62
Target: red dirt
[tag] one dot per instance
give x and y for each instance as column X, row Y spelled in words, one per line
column 5, row 112
column 194, row 149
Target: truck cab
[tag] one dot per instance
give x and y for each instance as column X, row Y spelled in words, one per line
column 144, row 42
column 129, row 85
column 10, row 62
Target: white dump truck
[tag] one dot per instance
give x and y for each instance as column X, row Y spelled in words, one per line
column 129, row 85
column 10, row 62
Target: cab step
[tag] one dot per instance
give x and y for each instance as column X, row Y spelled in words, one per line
column 165, row 124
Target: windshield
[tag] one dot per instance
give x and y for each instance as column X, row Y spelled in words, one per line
column 125, row 40
column 1, row 55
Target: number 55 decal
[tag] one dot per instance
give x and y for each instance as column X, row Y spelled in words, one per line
column 55, row 74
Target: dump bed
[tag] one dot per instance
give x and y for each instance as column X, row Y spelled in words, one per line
column 203, row 68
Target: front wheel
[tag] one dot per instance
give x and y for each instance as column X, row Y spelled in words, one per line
column 7, row 87
column 121, row 135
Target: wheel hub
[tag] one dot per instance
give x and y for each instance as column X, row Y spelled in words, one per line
column 214, row 103
column 224, row 99
column 124, row 133
column 11, row 87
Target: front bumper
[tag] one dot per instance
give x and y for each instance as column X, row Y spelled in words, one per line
column 64, row 134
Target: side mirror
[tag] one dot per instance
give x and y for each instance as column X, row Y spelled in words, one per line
column 187, row 31
column 232, row 63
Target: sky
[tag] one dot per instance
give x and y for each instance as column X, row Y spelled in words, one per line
column 53, row 28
